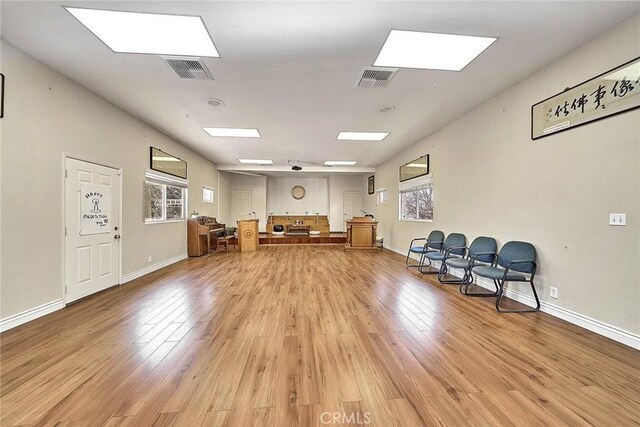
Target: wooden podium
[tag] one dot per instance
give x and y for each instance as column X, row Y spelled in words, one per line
column 248, row 235
column 361, row 234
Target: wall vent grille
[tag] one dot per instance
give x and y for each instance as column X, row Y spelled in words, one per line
column 189, row 68
column 376, row 77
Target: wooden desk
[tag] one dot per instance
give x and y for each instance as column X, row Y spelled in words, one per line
column 248, row 235
column 361, row 234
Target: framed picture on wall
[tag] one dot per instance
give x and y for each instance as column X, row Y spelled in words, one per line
column 165, row 162
column 608, row 94
column 415, row 168
column 1, row 96
column 371, row 184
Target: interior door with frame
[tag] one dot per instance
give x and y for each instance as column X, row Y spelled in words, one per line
column 92, row 228
column 351, row 205
column 240, row 204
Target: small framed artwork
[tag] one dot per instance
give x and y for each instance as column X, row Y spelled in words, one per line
column 1, row 96
column 371, row 184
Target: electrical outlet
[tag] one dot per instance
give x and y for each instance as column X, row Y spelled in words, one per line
column 150, row 259
column 617, row 219
column 553, row 292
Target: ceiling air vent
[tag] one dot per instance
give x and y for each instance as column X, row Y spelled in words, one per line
column 376, row 77
column 189, row 68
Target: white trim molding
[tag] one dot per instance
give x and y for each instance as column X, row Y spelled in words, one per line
column 31, row 314
column 151, row 268
column 593, row 325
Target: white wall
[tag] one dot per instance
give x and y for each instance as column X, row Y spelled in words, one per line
column 46, row 115
column 279, row 199
column 258, row 187
column 338, row 184
column 491, row 179
column 224, row 199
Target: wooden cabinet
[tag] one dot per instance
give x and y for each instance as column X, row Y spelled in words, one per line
column 248, row 235
column 361, row 234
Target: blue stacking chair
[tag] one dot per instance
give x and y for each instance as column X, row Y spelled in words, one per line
column 432, row 243
column 483, row 250
column 516, row 262
column 453, row 245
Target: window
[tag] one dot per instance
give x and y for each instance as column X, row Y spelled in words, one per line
column 207, row 194
column 165, row 199
column 381, row 196
column 416, row 200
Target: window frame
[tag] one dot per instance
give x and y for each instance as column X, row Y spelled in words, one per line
column 414, row 185
column 164, row 181
column 211, row 190
column 379, row 198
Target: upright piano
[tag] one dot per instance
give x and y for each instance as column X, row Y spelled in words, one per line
column 202, row 235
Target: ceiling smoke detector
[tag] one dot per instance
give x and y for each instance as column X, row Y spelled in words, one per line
column 215, row 102
column 386, row 108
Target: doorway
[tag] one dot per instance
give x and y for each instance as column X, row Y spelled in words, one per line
column 240, row 204
column 352, row 206
column 92, row 228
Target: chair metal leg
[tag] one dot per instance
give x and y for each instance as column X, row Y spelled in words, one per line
column 528, row 310
column 413, row 265
column 479, row 294
column 444, row 270
column 422, row 266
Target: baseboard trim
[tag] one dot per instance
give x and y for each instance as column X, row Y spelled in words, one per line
column 29, row 315
column 588, row 323
column 151, row 268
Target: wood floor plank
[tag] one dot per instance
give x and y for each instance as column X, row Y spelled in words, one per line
column 294, row 335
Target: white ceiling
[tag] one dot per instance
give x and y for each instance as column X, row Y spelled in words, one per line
column 289, row 68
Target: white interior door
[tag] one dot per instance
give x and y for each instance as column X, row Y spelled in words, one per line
column 92, row 228
column 240, row 204
column 352, row 205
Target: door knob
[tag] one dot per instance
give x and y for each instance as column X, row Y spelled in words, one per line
column 117, row 236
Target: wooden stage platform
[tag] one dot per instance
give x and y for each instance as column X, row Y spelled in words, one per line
column 322, row 238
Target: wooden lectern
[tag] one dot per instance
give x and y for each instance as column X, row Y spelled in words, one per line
column 248, row 235
column 361, row 234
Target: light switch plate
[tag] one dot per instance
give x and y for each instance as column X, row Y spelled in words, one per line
column 617, row 219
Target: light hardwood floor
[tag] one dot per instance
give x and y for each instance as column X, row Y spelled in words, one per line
column 291, row 335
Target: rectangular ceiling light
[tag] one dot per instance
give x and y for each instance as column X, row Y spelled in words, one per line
column 362, row 136
column 256, row 161
column 151, row 33
column 414, row 49
column 340, row 163
column 234, row 133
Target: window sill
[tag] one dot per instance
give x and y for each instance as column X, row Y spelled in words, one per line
column 415, row 220
column 164, row 221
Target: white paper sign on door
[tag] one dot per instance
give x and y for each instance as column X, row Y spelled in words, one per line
column 95, row 209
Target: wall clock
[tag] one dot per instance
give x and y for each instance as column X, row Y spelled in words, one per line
column 298, row 192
